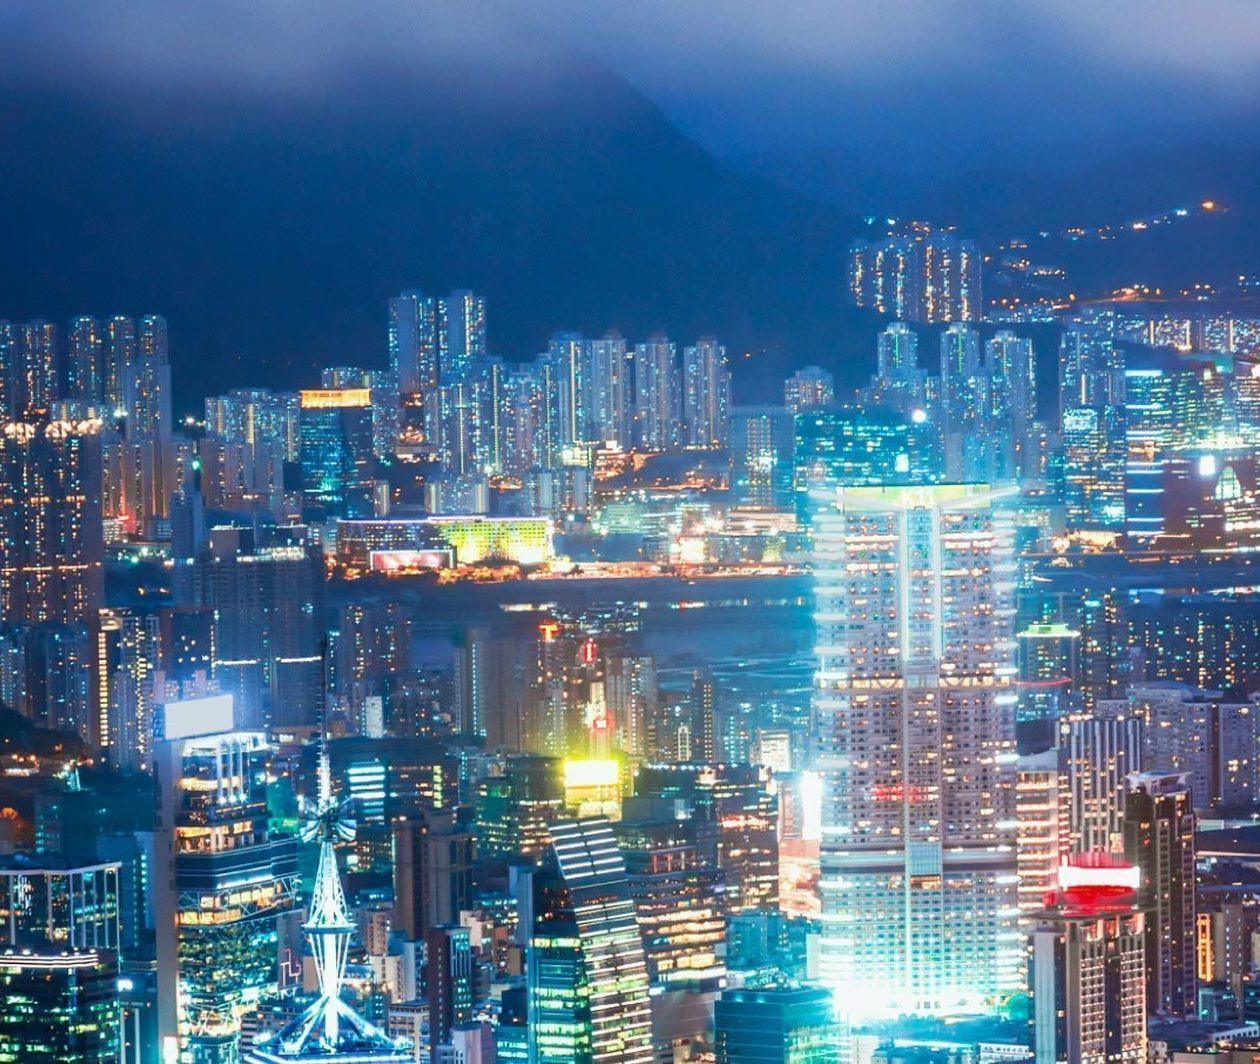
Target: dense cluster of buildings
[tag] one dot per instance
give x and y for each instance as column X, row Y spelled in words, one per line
column 247, row 813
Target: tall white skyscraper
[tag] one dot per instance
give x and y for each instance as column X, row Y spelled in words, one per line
column 914, row 703
column 706, row 394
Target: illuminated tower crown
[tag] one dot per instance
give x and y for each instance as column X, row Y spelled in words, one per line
column 329, row 1030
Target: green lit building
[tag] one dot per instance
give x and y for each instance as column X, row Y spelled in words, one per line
column 776, row 1025
column 587, row 976
column 515, row 808
column 59, row 941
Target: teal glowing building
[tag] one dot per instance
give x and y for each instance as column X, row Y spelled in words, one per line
column 776, row 1025
column 59, row 947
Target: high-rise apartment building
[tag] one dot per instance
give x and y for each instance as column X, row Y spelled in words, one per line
column 1159, row 841
column 610, row 387
column 913, row 592
column 462, row 333
column 1092, row 412
column 706, row 395
column 657, row 395
column 1096, row 753
column 85, row 365
column 919, row 277
column 413, row 342
column 1086, row 965
column 51, row 534
column 29, row 369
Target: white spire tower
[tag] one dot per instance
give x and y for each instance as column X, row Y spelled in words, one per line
column 329, row 1030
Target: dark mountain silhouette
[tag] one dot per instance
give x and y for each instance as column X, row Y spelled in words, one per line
column 271, row 227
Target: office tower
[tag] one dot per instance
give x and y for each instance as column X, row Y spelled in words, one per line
column 51, row 534
column 1086, row 965
column 914, row 706
column 1040, row 826
column 1049, row 677
column 433, row 859
column 491, row 690
column 329, row 1029
column 462, row 334
column 1096, row 753
column 742, row 810
column 267, row 591
column 1148, row 414
column 385, row 401
column 703, row 698
column 657, row 395
column 59, row 953
column 808, row 389
column 586, row 973
column 448, row 984
column 516, row 805
column 1159, row 840
column 919, row 277
column 776, row 1025
column 221, row 883
column 678, row 895
column 706, row 395
column 631, row 694
column 610, row 406
column 762, row 439
column 413, row 342
column 85, row 361
column 898, row 383
column 335, row 448
column 1091, row 404
column 847, row 446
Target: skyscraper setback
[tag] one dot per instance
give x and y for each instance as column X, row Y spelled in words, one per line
column 914, row 707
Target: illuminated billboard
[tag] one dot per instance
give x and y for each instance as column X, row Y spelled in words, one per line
column 211, row 715
column 401, row 561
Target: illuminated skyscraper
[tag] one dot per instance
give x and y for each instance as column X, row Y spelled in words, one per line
column 842, row 445
column 462, row 333
column 1159, row 840
column 1091, row 405
column 657, row 395
column 28, row 368
column 59, row 949
column 762, row 439
column 223, row 880
column 85, row 360
column 964, row 406
column 915, row 712
column 587, row 976
column 611, row 403
column 568, row 361
column 1086, row 966
column 919, row 277
column 413, row 342
column 706, row 394
column 329, row 1030
column 1096, row 753
column 120, row 352
column 335, row 450
column 776, row 1025
column 898, row 383
column 51, row 537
